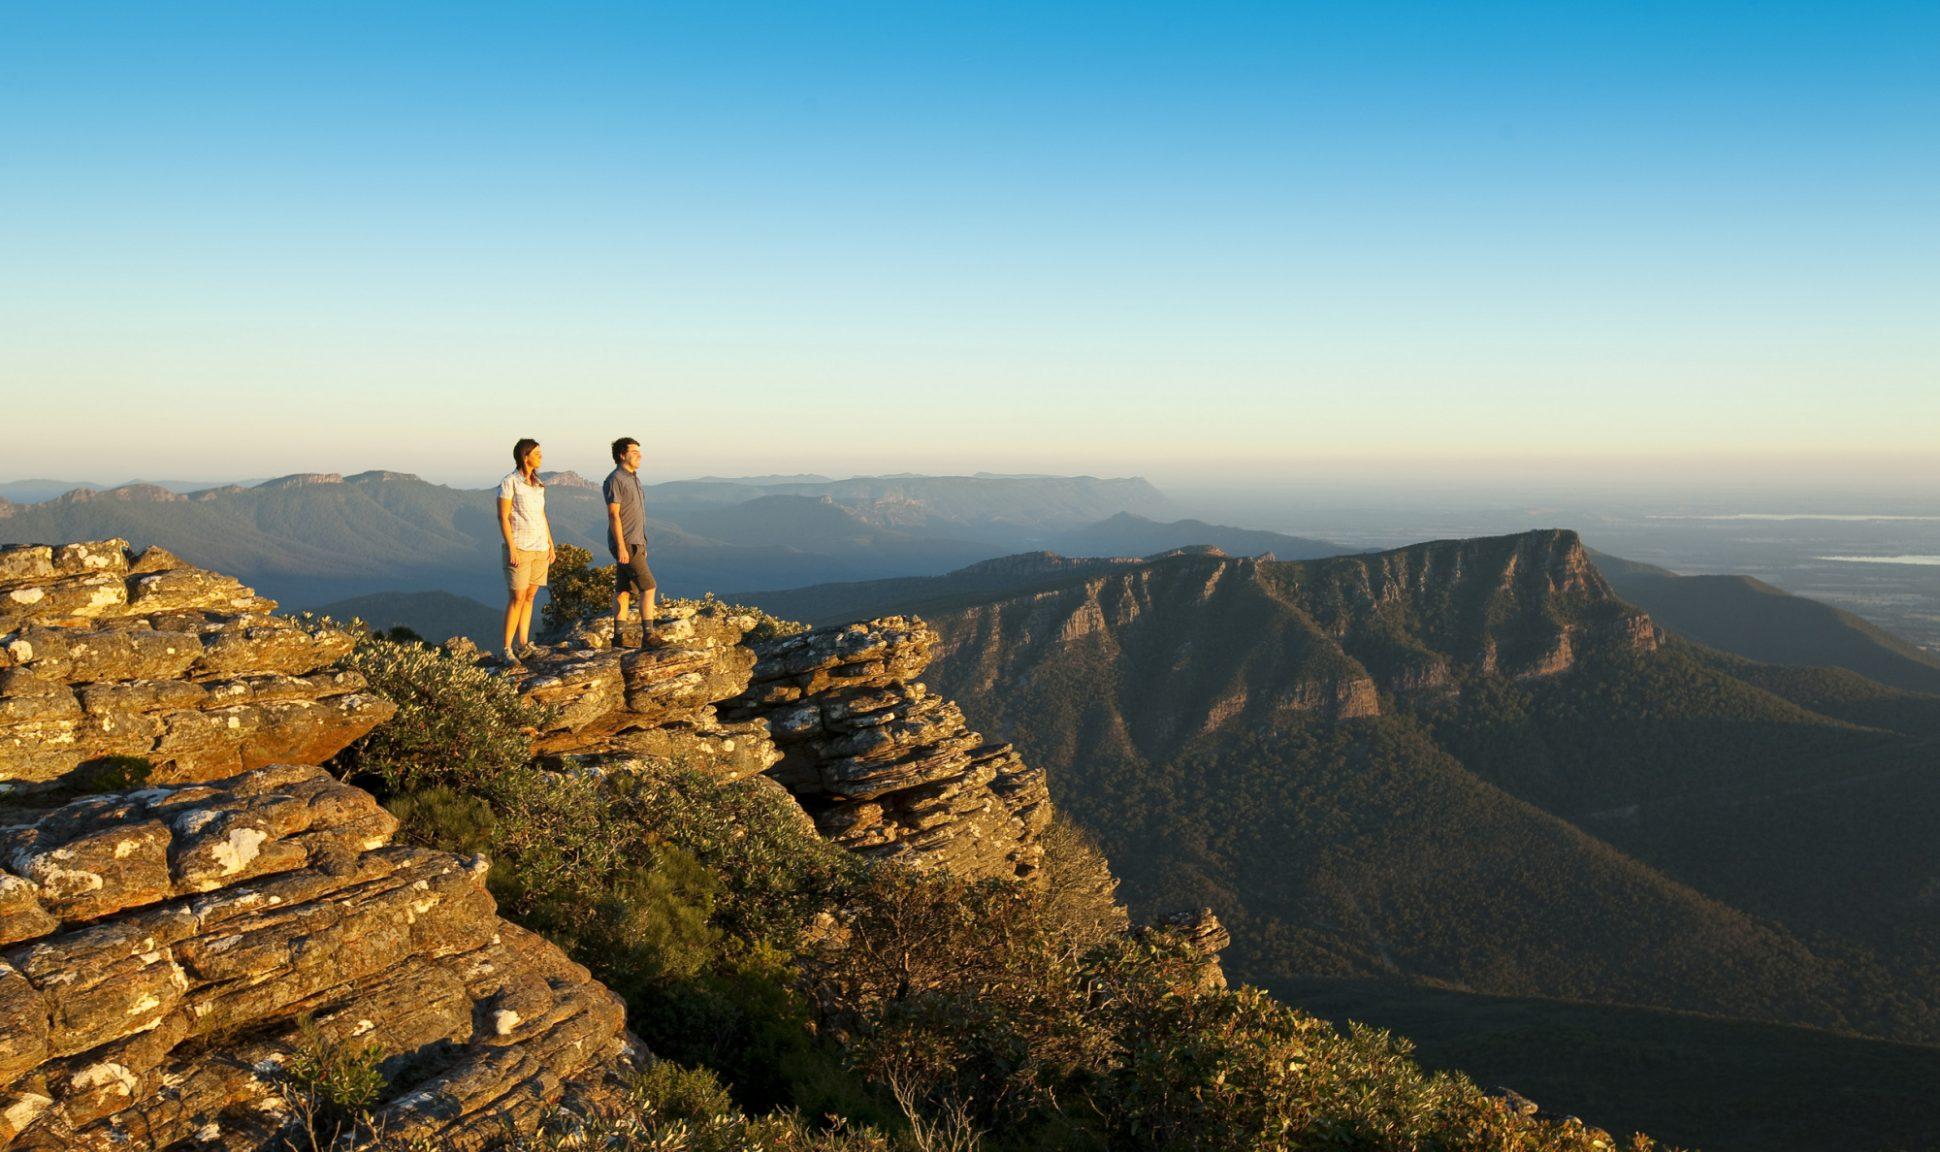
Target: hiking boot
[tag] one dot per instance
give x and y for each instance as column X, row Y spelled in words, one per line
column 511, row 659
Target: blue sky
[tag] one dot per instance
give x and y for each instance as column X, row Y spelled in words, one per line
column 1193, row 240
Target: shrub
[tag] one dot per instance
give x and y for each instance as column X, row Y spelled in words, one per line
column 575, row 590
column 331, row 1085
column 578, row 592
column 669, row 1108
column 956, row 995
column 1079, row 893
column 111, row 774
column 579, row 868
column 457, row 724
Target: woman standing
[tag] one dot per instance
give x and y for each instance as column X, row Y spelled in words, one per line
column 528, row 543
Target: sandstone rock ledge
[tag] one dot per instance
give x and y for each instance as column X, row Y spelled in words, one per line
column 106, row 653
column 837, row 716
column 886, row 767
column 159, row 947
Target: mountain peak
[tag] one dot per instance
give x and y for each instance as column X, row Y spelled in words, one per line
column 300, row 480
column 126, row 493
column 566, row 479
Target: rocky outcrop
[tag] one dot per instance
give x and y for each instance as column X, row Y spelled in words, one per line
column 885, row 766
column 167, row 951
column 657, row 700
column 837, row 716
column 107, row 653
column 1201, row 932
column 161, row 949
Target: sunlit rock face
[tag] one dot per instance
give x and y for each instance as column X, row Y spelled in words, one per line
column 837, row 716
column 158, row 947
column 888, row 767
column 160, row 944
column 107, row 653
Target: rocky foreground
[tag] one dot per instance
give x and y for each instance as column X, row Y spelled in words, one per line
column 166, row 943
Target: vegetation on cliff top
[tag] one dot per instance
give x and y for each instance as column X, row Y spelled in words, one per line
column 872, row 1006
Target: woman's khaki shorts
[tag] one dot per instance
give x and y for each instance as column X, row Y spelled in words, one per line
column 523, row 569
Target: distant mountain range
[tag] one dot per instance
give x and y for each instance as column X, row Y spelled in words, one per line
column 1468, row 765
column 318, row 538
column 35, row 491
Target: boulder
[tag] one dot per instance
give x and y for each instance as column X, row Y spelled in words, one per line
column 163, row 953
column 107, row 653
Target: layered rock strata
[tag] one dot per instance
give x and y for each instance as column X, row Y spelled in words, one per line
column 885, row 766
column 837, row 716
column 654, row 700
column 107, row 653
column 162, row 946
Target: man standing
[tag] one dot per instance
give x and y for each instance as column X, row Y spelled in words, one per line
column 626, row 537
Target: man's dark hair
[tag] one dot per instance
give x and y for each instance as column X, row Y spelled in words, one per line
column 621, row 445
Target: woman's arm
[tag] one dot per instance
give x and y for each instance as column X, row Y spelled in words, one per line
column 505, row 520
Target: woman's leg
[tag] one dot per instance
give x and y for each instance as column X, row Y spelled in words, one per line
column 525, row 615
column 514, row 608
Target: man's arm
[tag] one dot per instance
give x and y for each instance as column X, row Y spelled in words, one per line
column 619, row 537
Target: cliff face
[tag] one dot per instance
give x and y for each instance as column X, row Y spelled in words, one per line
column 1188, row 644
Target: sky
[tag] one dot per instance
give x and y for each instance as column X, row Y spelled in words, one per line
column 1212, row 242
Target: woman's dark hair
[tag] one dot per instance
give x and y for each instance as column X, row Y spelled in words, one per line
column 621, row 445
column 520, row 451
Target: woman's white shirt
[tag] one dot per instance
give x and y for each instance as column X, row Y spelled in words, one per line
column 528, row 513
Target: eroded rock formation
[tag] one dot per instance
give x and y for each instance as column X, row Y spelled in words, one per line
column 884, row 765
column 838, row 716
column 161, row 946
column 104, row 653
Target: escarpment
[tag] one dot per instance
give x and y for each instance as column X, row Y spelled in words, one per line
column 107, row 653
column 1192, row 643
column 837, row 716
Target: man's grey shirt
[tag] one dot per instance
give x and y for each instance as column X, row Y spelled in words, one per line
column 623, row 488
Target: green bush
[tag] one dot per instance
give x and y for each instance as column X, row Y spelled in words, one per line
column 112, row 774
column 457, row 724
column 669, row 1108
column 331, row 1084
column 575, row 590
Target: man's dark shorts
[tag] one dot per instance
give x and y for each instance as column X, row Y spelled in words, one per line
column 633, row 576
